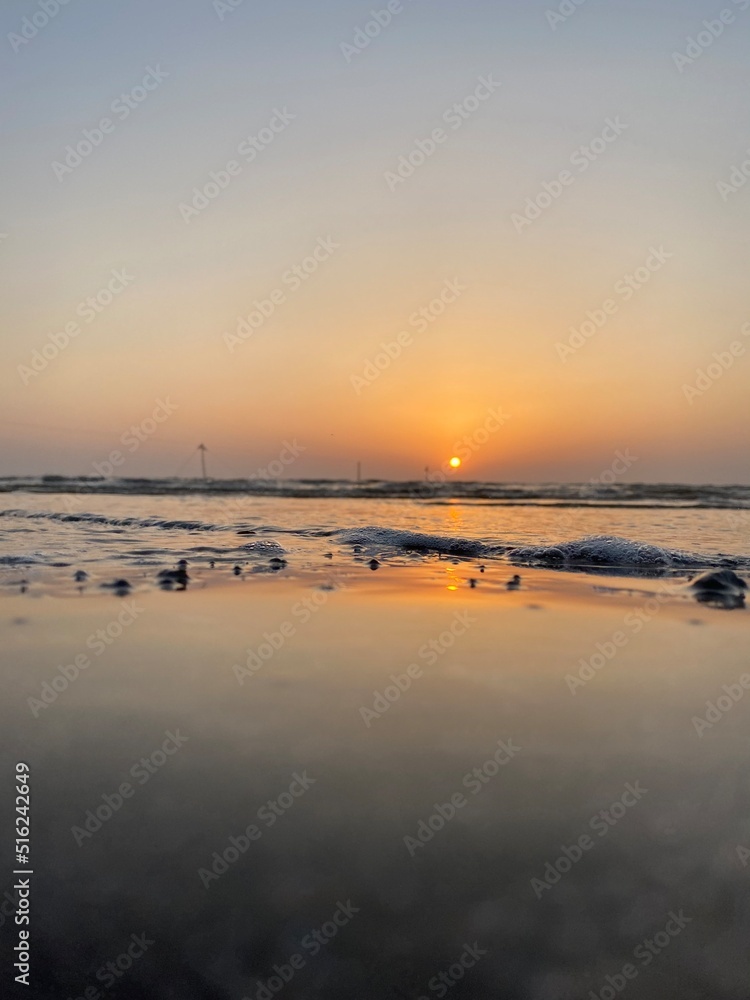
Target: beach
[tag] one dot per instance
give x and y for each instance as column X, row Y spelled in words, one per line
column 374, row 501
column 368, row 768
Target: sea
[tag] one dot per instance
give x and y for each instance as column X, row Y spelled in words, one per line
column 52, row 526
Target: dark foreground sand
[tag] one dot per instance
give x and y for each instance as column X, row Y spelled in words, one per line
column 409, row 797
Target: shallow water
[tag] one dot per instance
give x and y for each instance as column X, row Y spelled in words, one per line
column 47, row 537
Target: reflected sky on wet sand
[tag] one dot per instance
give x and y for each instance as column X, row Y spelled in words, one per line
column 417, row 754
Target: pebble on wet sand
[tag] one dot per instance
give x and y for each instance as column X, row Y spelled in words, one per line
column 722, row 580
column 720, row 588
column 168, row 577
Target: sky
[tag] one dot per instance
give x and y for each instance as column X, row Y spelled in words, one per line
column 388, row 233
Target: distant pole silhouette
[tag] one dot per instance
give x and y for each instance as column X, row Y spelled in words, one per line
column 203, row 449
column 359, row 472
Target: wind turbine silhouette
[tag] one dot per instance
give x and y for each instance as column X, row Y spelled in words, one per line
column 203, row 449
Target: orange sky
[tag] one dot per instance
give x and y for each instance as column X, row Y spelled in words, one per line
column 328, row 137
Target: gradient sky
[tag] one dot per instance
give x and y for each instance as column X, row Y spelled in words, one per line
column 324, row 177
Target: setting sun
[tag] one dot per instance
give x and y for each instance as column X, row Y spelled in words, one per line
column 455, row 463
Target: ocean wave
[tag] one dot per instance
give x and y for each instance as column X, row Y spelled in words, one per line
column 96, row 537
column 589, row 552
column 611, row 551
column 117, row 522
column 442, row 490
column 25, row 560
column 413, row 541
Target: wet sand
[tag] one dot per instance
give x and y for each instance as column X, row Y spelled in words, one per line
column 415, row 787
